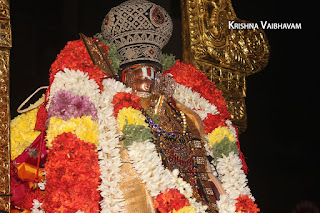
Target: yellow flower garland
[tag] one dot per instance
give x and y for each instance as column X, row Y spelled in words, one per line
column 130, row 116
column 218, row 134
column 22, row 133
column 186, row 209
column 84, row 127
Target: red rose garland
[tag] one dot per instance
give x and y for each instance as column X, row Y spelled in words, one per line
column 72, row 176
column 170, row 200
column 124, row 99
column 75, row 56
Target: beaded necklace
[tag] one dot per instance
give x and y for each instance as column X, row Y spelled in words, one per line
column 179, row 145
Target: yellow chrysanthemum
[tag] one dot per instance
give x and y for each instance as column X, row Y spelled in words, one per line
column 130, row 116
column 218, row 134
column 84, row 127
column 186, row 209
column 22, row 133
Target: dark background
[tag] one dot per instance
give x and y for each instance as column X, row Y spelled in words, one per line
column 282, row 136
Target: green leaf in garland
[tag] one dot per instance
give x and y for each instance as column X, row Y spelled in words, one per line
column 155, row 117
column 136, row 133
column 167, row 60
column 112, row 52
column 224, row 148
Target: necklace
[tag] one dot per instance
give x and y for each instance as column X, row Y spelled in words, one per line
column 142, row 94
column 179, row 146
column 161, row 131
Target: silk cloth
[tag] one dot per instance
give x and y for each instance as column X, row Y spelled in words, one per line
column 137, row 198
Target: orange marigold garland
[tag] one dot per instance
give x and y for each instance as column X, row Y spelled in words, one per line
column 72, row 176
column 75, row 56
column 246, row 205
column 124, row 99
column 170, row 200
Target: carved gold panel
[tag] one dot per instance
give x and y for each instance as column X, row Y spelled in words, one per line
column 5, row 45
column 225, row 55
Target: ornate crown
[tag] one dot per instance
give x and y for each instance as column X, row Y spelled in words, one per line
column 139, row 29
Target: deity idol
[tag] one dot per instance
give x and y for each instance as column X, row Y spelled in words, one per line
column 177, row 130
column 133, row 142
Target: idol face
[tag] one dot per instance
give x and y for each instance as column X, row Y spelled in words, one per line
column 141, row 78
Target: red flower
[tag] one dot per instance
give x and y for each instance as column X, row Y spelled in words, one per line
column 187, row 75
column 213, row 121
column 246, row 205
column 124, row 99
column 75, row 56
column 170, row 200
column 72, row 176
column 30, row 196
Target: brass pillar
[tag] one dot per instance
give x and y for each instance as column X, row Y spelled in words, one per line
column 5, row 45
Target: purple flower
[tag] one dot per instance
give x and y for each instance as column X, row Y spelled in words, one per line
column 65, row 105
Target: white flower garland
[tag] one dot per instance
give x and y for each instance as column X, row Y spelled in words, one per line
column 233, row 180
column 229, row 168
column 232, row 129
column 148, row 165
column 194, row 101
column 109, row 149
column 76, row 82
column 143, row 155
column 79, row 84
column 37, row 207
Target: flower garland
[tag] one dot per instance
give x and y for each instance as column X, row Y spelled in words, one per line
column 158, row 180
column 234, row 182
column 22, row 132
column 109, row 149
column 194, row 101
column 124, row 99
column 66, row 105
column 186, row 209
column 84, row 127
column 76, row 82
column 72, row 176
column 127, row 116
column 37, row 206
column 246, row 205
column 73, row 101
column 187, row 75
column 170, row 200
column 79, row 97
column 218, row 134
column 221, row 135
column 148, row 165
column 75, row 56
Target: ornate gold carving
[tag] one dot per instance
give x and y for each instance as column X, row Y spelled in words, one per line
column 225, row 55
column 5, row 45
